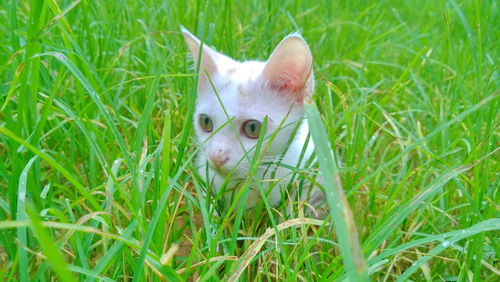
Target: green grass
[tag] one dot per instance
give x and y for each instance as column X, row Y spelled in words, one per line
column 97, row 180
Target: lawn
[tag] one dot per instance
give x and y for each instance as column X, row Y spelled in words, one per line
column 98, row 182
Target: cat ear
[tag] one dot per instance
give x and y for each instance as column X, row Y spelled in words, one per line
column 288, row 69
column 209, row 57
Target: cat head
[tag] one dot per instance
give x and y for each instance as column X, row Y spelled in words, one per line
column 235, row 97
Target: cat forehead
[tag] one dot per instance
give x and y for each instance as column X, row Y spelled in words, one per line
column 241, row 89
column 236, row 101
column 242, row 101
column 243, row 71
column 237, row 83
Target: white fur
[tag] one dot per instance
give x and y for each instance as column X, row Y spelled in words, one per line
column 252, row 90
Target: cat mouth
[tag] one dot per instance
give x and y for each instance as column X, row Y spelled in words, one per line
column 219, row 170
column 227, row 172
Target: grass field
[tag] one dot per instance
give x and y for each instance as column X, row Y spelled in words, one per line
column 97, row 180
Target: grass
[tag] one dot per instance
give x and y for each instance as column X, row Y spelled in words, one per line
column 97, row 180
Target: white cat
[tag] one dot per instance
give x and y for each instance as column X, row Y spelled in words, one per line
column 246, row 93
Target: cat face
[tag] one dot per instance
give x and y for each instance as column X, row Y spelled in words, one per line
column 235, row 97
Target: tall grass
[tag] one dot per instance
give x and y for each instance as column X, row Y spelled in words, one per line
column 97, row 180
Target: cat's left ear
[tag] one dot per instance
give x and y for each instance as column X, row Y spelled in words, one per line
column 210, row 60
column 289, row 69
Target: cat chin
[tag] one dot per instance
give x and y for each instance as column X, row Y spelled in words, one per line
column 222, row 172
column 234, row 177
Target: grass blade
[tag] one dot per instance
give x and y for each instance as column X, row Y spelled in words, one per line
column 237, row 269
column 53, row 163
column 448, row 241
column 339, row 207
column 49, row 247
column 21, row 215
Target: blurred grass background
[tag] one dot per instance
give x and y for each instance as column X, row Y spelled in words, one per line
column 96, row 177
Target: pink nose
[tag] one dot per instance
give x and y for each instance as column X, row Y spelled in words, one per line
column 218, row 160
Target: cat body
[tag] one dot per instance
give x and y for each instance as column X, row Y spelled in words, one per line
column 233, row 100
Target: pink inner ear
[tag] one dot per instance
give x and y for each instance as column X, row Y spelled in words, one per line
column 286, row 82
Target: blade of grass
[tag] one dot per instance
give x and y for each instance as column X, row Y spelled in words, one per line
column 164, row 175
column 253, row 167
column 89, row 273
column 190, row 105
column 111, row 253
column 49, row 247
column 420, row 141
column 96, row 98
column 21, row 215
column 139, row 263
column 446, row 242
column 487, row 225
column 339, row 207
column 237, row 269
column 52, row 163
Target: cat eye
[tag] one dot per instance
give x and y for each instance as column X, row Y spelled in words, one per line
column 251, row 128
column 206, row 123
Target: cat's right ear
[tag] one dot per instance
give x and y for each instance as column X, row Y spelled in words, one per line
column 208, row 60
column 289, row 69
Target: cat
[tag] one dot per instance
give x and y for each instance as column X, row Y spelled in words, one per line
column 245, row 93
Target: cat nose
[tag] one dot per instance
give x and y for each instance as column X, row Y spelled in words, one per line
column 218, row 160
